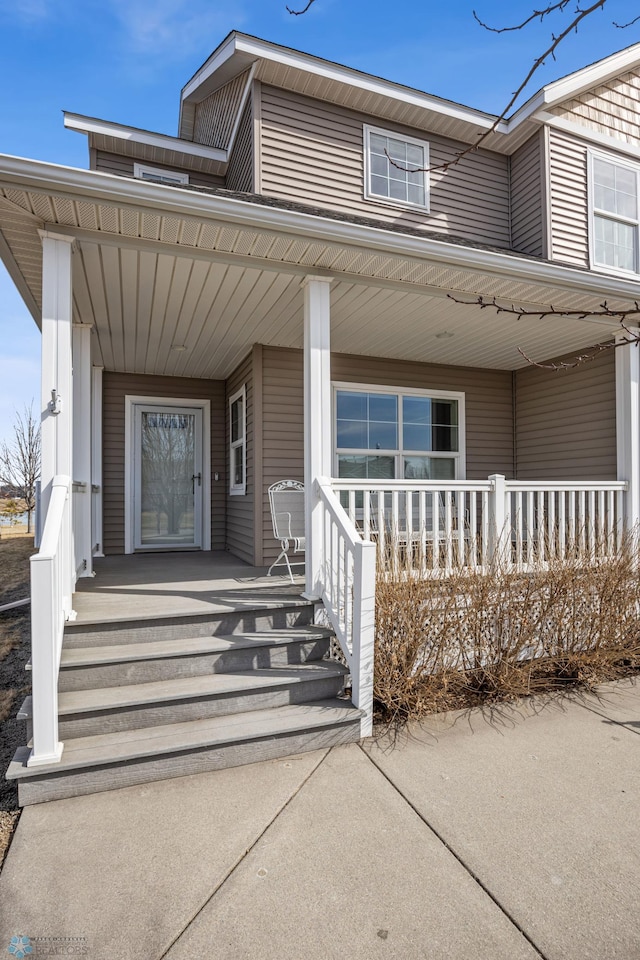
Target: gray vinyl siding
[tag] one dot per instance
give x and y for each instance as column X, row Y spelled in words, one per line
column 568, row 199
column 240, row 531
column 123, row 167
column 116, row 386
column 215, row 116
column 566, row 422
column 240, row 169
column 488, row 402
column 312, row 152
column 610, row 108
column 527, row 197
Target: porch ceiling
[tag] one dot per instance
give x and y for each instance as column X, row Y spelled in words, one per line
column 145, row 304
column 217, row 274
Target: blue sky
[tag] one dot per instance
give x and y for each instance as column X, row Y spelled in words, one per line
column 126, row 60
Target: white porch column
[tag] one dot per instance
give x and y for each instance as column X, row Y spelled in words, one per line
column 317, row 419
column 57, row 380
column 628, row 426
column 82, row 449
column 96, row 461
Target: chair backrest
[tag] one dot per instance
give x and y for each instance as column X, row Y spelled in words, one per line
column 286, row 499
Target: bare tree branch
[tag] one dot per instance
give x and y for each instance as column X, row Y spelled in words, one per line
column 623, row 316
column 20, row 460
column 623, row 26
column 298, row 13
column 536, row 15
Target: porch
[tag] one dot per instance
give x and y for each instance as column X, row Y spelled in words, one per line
column 286, row 314
column 164, row 585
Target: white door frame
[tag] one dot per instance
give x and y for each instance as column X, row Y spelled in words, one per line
column 130, row 403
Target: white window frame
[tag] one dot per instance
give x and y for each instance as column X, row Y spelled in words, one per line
column 140, row 169
column 617, row 161
column 379, row 198
column 238, row 490
column 433, row 394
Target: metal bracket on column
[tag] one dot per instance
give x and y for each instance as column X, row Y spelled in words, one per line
column 55, row 404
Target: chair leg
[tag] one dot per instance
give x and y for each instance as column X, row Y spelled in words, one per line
column 283, row 553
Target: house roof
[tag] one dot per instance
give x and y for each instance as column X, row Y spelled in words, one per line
column 324, row 79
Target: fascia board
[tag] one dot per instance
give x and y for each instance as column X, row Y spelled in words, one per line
column 91, row 185
column 74, row 121
column 261, row 50
column 591, row 76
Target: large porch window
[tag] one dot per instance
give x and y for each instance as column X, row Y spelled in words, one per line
column 390, row 433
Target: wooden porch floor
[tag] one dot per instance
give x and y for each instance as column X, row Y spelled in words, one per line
column 175, row 584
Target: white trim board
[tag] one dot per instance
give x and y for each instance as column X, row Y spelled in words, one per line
column 130, row 402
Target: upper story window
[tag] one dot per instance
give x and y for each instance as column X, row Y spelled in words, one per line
column 390, row 433
column 157, row 175
column 396, row 168
column 615, row 223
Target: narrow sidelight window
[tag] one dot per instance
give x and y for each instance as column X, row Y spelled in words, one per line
column 237, row 442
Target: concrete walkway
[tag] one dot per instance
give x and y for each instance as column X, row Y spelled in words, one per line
column 512, row 833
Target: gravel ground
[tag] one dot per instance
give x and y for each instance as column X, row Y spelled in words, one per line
column 14, row 680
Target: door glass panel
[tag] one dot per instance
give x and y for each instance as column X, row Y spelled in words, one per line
column 168, row 466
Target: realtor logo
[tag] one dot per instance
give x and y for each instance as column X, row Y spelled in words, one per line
column 20, row 947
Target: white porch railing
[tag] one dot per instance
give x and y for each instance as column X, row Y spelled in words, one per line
column 433, row 526
column 348, row 580
column 52, row 585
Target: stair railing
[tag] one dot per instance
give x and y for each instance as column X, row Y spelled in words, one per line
column 348, row 584
column 51, row 591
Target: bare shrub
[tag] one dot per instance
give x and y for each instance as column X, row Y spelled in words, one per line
column 483, row 635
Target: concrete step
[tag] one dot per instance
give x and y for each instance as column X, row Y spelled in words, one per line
column 87, row 668
column 109, row 761
column 83, row 713
column 238, row 614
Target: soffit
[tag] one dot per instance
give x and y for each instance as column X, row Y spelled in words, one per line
column 148, row 280
column 152, row 154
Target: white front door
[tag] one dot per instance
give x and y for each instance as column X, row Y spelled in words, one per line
column 168, row 477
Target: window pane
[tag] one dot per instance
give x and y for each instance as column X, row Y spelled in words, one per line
column 238, row 466
column 236, row 420
column 382, row 436
column 379, row 165
column 352, row 435
column 383, row 407
column 429, row 468
column 416, row 194
column 444, row 439
column 445, row 412
column 417, row 436
column 366, row 468
column 397, row 150
column 380, row 186
column 416, row 410
column 352, row 406
column 397, row 190
column 615, row 244
column 378, row 144
column 415, row 155
column 615, row 189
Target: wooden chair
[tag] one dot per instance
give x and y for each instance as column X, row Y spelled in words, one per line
column 286, row 500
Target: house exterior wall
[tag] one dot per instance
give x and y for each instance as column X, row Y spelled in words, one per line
column 568, row 199
column 240, row 169
column 566, row 422
column 312, row 152
column 123, row 167
column 489, row 413
column 240, row 507
column 116, row 386
column 528, row 197
column 610, row 108
column 215, row 116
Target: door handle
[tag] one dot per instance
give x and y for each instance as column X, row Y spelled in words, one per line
column 198, row 477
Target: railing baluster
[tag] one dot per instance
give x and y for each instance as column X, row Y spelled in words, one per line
column 562, row 524
column 582, row 529
column 366, row 514
column 460, row 509
column 473, row 529
column 422, row 520
column 484, row 521
column 435, row 529
column 541, row 526
column 530, row 527
column 448, row 530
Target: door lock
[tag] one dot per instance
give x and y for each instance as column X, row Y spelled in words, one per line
column 198, row 477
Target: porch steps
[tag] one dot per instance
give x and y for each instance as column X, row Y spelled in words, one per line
column 154, row 698
column 114, row 760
